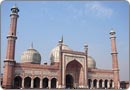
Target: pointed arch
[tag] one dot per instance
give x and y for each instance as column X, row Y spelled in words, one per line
column 89, row 83
column 75, row 69
column 111, row 81
column 74, row 61
column 27, row 82
column 45, row 83
column 53, row 82
column 100, row 83
column 95, row 83
column 17, row 82
column 36, row 82
column 105, row 83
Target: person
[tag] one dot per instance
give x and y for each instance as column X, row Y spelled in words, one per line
column 21, row 88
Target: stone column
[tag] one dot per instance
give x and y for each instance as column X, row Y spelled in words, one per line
column 23, row 83
column 49, row 83
column 57, row 84
column 92, row 84
column 97, row 84
column 31, row 83
column 40, row 83
column 118, row 84
column 108, row 84
column 112, row 84
column 103, row 84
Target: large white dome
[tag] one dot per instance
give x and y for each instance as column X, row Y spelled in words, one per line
column 91, row 62
column 54, row 54
column 31, row 56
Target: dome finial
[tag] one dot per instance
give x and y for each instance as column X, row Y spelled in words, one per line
column 112, row 32
column 62, row 39
column 86, row 48
column 15, row 9
column 15, row 5
column 85, row 45
column 31, row 47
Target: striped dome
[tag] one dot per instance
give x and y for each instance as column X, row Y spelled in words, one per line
column 91, row 62
column 54, row 54
column 31, row 56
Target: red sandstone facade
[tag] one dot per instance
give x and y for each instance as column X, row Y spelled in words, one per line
column 70, row 70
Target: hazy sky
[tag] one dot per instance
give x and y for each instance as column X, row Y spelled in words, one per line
column 80, row 22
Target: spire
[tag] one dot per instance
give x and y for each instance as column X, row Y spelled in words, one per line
column 112, row 32
column 14, row 11
column 15, row 4
column 31, row 47
column 62, row 39
column 86, row 48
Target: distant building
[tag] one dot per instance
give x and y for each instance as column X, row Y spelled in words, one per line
column 68, row 68
column 124, row 84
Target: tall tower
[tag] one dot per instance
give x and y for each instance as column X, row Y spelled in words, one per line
column 10, row 54
column 114, row 60
column 86, row 52
column 60, row 65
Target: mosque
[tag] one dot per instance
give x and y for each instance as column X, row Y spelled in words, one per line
column 68, row 68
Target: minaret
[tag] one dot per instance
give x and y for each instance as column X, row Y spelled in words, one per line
column 10, row 54
column 86, row 74
column 60, row 65
column 114, row 60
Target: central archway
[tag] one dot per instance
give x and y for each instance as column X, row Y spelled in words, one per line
column 69, row 81
column 74, row 74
